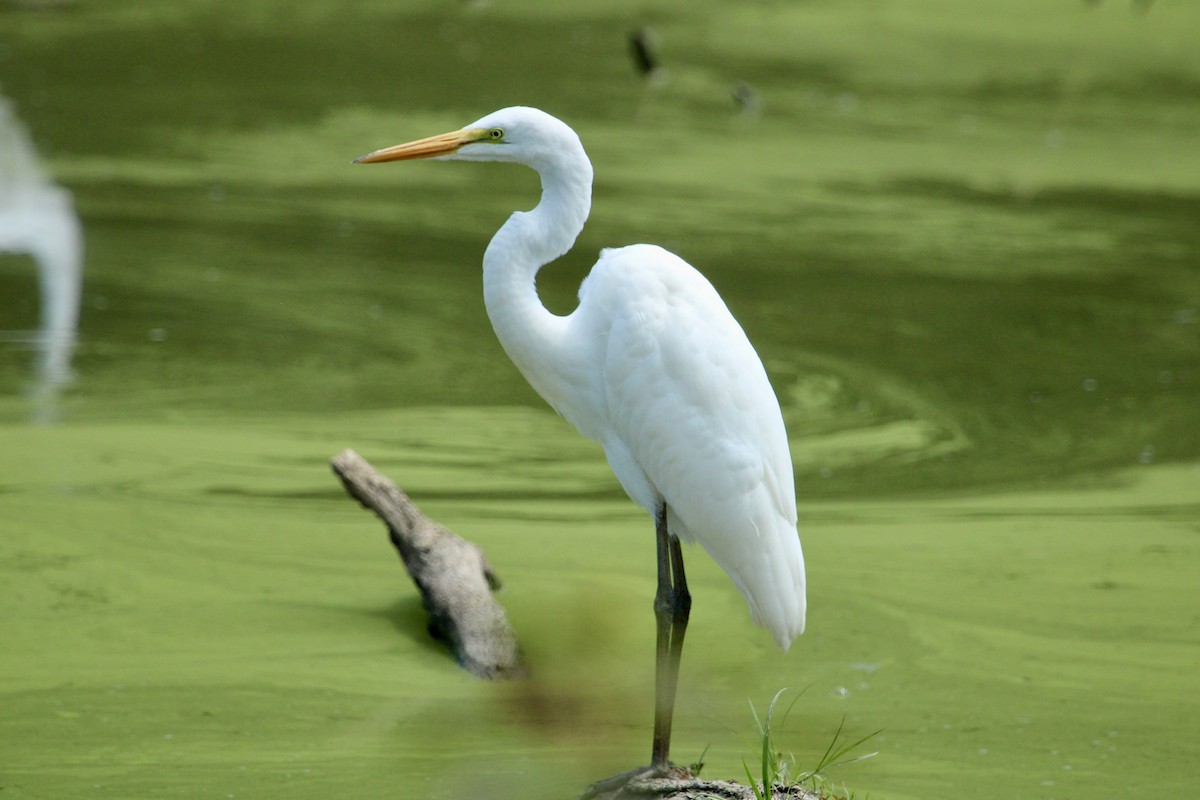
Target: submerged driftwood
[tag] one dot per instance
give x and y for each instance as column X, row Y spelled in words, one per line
column 454, row 578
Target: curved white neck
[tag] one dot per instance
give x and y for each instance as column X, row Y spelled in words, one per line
column 530, row 334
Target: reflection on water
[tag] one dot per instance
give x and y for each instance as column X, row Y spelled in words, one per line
column 38, row 218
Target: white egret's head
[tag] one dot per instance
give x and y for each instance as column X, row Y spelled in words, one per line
column 518, row 134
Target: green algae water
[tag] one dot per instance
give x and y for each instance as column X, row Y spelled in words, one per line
column 963, row 237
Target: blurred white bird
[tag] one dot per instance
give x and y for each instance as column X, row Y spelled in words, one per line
column 651, row 365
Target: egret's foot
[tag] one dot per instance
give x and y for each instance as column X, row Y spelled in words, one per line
column 615, row 787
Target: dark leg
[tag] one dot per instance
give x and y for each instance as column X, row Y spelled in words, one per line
column 672, row 605
column 682, row 610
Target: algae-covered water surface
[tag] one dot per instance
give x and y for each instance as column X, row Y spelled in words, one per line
column 964, row 237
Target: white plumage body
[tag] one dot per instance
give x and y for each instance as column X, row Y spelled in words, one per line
column 682, row 405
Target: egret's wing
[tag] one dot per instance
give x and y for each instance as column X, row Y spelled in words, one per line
column 689, row 400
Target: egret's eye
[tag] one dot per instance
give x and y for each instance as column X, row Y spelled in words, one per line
column 496, row 134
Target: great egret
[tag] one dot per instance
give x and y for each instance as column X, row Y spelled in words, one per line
column 651, row 365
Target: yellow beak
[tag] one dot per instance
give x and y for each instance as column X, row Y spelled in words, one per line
column 441, row 145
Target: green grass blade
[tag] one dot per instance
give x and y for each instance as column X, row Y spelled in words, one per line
column 750, row 779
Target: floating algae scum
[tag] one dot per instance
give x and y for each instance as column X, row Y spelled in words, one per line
column 963, row 237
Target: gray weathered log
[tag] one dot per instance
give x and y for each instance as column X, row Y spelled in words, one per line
column 452, row 574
